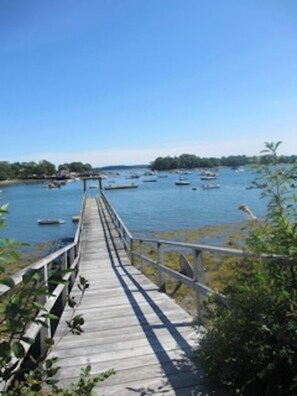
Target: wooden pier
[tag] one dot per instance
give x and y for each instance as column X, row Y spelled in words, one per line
column 130, row 326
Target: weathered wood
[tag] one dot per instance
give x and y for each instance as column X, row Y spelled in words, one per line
column 129, row 326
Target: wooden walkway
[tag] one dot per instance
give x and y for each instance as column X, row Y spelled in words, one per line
column 129, row 325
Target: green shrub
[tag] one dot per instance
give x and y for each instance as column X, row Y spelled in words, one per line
column 21, row 307
column 251, row 341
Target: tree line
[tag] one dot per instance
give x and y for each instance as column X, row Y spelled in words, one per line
column 191, row 161
column 35, row 170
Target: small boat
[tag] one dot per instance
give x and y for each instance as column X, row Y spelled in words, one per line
column 208, row 178
column 149, row 173
column 149, row 180
column 53, row 185
column 208, row 175
column 133, row 176
column 50, row 221
column 182, row 183
column 75, row 219
column 120, row 186
column 210, row 186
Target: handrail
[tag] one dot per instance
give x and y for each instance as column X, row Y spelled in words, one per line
column 70, row 257
column 197, row 251
column 39, row 264
column 206, row 248
column 123, row 231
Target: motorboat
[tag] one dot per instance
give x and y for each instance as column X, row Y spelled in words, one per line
column 120, row 186
column 208, row 178
column 149, row 180
column 210, row 186
column 50, row 221
column 182, row 182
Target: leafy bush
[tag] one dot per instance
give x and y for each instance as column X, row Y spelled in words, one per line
column 21, row 307
column 251, row 341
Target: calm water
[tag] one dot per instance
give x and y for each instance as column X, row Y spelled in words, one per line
column 30, row 202
column 163, row 206
column 155, row 206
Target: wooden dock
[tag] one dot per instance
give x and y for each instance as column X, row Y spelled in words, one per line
column 129, row 325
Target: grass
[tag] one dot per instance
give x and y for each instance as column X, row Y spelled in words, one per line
column 216, row 271
column 27, row 255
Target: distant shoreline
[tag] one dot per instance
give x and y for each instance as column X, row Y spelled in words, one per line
column 20, row 181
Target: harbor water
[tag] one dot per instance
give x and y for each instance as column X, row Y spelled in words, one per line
column 158, row 204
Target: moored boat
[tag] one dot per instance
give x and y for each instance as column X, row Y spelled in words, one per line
column 149, row 180
column 182, row 183
column 210, row 186
column 208, row 178
column 120, row 186
column 50, row 221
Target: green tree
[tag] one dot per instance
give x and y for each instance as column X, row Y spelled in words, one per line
column 188, row 161
column 165, row 163
column 77, row 167
column 45, row 168
column 251, row 341
column 5, row 171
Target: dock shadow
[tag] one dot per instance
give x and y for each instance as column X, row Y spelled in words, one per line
column 180, row 374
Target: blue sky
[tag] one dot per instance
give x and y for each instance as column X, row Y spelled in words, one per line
column 124, row 81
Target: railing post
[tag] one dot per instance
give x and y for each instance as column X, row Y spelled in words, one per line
column 141, row 254
column 131, row 247
column 65, row 261
column 197, row 260
column 161, row 282
column 65, row 292
column 45, row 332
column 73, row 254
column 45, row 280
column 124, row 237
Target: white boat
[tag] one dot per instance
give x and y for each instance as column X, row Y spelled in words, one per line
column 182, row 182
column 50, row 221
column 207, row 175
column 208, row 178
column 210, row 186
column 120, row 186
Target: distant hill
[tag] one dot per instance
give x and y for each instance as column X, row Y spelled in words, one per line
column 120, row 167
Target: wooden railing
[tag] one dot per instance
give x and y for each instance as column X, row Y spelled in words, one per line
column 124, row 233
column 190, row 274
column 68, row 258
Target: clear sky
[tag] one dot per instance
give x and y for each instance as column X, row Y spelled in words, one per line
column 124, row 81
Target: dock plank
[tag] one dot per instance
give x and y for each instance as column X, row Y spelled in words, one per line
column 129, row 325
